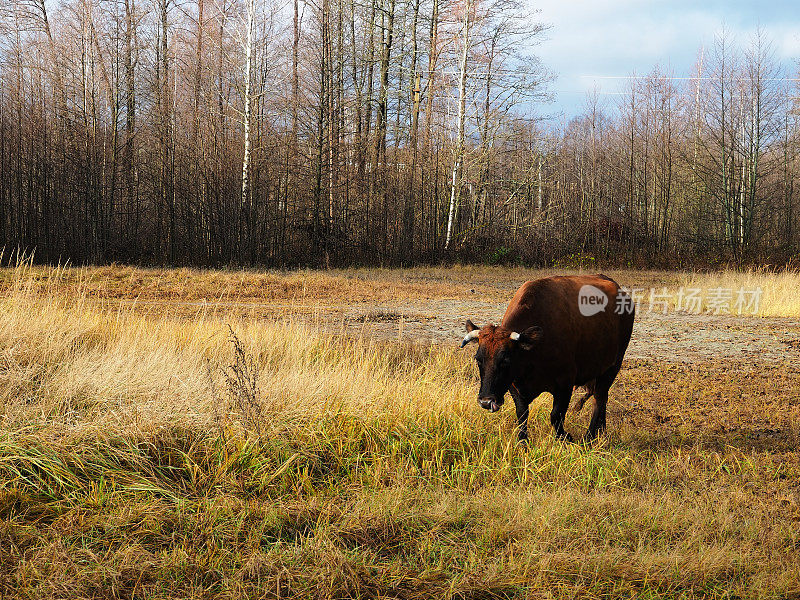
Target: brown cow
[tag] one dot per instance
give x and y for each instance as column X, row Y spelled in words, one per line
column 557, row 333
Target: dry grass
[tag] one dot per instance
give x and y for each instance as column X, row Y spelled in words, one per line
column 781, row 291
column 374, row 475
column 299, row 291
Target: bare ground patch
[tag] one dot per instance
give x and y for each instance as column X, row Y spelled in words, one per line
column 431, row 309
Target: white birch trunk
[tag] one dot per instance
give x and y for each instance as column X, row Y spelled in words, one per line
column 248, row 51
column 462, row 106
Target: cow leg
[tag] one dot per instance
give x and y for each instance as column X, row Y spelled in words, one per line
column 561, row 398
column 521, row 405
column 598, row 423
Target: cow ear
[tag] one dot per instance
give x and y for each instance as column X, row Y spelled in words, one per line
column 529, row 338
column 470, row 326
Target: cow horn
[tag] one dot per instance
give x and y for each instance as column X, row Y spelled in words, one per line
column 472, row 336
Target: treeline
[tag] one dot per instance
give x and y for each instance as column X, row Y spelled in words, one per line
column 681, row 171
column 373, row 132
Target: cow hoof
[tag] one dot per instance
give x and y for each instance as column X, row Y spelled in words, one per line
column 565, row 437
column 522, row 443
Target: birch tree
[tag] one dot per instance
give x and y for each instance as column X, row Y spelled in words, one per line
column 248, row 80
column 455, row 183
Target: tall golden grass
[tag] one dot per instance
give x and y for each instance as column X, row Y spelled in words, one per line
column 73, row 357
column 780, row 291
column 127, row 470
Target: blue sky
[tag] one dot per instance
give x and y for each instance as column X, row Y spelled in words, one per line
column 591, row 40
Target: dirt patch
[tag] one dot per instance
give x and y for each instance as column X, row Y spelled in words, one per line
column 692, row 338
column 422, row 305
column 676, row 338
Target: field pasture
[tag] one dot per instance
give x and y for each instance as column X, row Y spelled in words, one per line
column 308, row 434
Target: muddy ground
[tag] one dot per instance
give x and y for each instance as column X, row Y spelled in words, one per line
column 430, row 306
column 675, row 337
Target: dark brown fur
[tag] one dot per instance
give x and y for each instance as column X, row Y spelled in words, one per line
column 559, row 348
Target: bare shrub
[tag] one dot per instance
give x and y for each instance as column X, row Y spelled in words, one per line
column 241, row 390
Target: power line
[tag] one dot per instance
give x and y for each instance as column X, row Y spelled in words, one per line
column 598, row 92
column 625, row 77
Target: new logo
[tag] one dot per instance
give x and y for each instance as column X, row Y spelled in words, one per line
column 591, row 300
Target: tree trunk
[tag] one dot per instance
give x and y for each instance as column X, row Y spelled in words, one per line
column 455, row 183
column 245, row 225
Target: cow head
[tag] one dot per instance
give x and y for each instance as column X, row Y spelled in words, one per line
column 499, row 357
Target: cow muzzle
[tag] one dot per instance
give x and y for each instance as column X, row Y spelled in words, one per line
column 490, row 404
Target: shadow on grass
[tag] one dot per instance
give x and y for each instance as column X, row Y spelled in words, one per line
column 742, row 439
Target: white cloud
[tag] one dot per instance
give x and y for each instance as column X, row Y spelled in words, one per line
column 787, row 43
column 608, row 37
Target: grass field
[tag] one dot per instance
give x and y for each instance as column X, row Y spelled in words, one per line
column 344, row 456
